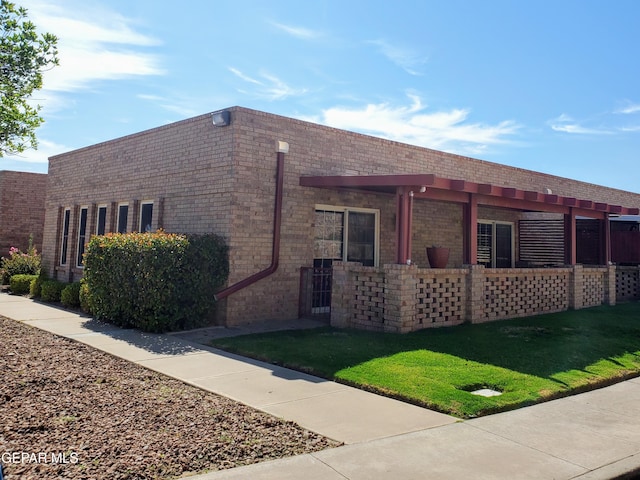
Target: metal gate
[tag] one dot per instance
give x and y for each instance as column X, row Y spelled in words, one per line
column 315, row 292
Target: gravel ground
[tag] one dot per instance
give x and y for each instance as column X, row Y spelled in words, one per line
column 68, row 411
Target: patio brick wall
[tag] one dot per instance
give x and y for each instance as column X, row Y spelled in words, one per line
column 22, row 207
column 403, row 298
column 441, row 297
column 594, row 286
column 627, row 283
column 511, row 293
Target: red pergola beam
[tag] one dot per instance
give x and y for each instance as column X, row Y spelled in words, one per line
column 439, row 188
column 457, row 185
column 615, row 209
column 509, row 192
column 531, row 196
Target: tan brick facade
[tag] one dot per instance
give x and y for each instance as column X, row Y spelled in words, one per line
column 22, row 204
column 202, row 178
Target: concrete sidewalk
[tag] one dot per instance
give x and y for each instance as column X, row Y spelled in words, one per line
column 595, row 435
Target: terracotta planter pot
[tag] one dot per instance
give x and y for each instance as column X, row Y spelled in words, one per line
column 438, row 257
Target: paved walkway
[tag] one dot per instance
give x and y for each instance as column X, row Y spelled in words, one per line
column 595, row 435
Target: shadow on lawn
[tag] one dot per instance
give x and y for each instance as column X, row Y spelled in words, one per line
column 541, row 346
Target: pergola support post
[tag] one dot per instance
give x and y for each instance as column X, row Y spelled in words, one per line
column 470, row 230
column 404, row 219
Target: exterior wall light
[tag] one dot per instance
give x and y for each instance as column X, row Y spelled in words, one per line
column 282, row 147
column 221, row 118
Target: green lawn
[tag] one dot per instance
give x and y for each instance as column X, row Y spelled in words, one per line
column 528, row 360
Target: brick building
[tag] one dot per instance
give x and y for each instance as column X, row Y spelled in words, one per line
column 22, row 197
column 358, row 206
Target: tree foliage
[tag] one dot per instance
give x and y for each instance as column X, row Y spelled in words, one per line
column 24, row 55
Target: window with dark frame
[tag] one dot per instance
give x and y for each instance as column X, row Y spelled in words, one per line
column 65, row 237
column 82, row 235
column 123, row 214
column 495, row 244
column 101, row 224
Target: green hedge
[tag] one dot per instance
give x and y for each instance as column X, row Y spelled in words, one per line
column 70, row 295
column 36, row 285
column 154, row 281
column 51, row 290
column 21, row 283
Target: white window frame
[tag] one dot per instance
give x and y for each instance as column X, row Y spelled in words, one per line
column 142, row 204
column 345, row 232
column 126, row 228
column 493, row 223
column 64, row 252
column 106, row 218
column 82, row 237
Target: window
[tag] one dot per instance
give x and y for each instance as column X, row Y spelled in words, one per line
column 348, row 234
column 82, row 235
column 123, row 214
column 101, row 224
column 65, row 236
column 495, row 244
column 146, row 216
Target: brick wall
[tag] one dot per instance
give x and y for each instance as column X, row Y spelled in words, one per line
column 222, row 180
column 185, row 169
column 511, row 293
column 22, row 207
column 403, row 298
column 627, row 283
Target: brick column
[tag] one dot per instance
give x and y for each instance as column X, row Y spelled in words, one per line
column 475, row 293
column 342, row 293
column 576, row 281
column 610, row 285
column 400, row 293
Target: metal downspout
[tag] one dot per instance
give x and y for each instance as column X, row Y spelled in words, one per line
column 283, row 148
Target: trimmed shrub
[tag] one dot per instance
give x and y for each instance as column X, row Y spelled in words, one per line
column 70, row 295
column 84, row 297
column 18, row 263
column 154, row 281
column 51, row 290
column 21, row 283
column 36, row 285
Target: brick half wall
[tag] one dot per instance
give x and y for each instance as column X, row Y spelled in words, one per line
column 405, row 298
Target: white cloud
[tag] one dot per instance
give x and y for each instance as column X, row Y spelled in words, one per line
column 94, row 44
column 183, row 107
column 298, row 32
column 443, row 130
column 565, row 124
column 45, row 150
column 269, row 86
column 629, row 109
column 405, row 58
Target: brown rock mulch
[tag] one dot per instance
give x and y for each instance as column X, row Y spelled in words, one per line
column 68, row 411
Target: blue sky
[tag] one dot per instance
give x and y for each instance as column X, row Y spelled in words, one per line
column 551, row 86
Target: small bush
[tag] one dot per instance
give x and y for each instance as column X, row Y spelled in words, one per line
column 70, row 295
column 85, row 298
column 21, row 283
column 51, row 290
column 20, row 263
column 36, row 285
